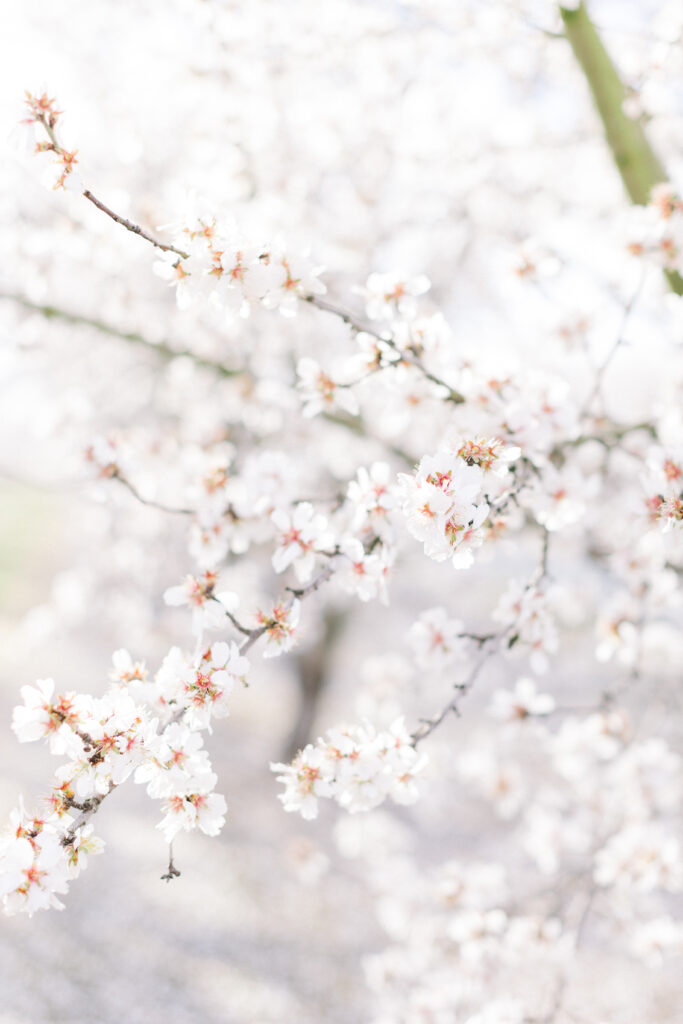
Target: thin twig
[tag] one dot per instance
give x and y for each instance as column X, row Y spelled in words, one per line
column 451, row 394
column 358, row 325
column 148, row 501
column 164, row 350
column 127, row 224
column 453, row 706
column 626, row 314
column 238, row 625
column 135, row 228
column 310, row 588
column 172, row 871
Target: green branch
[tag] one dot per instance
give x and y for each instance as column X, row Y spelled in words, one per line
column 638, row 164
column 160, row 349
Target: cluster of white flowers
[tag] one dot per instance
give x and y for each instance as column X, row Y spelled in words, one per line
column 455, row 944
column 444, row 501
column 208, row 607
column 141, row 729
column 301, row 535
column 177, row 771
column 357, row 766
column 233, row 508
column 655, row 231
column 664, row 489
column 40, row 856
column 587, row 793
column 372, row 496
column 221, row 266
column 62, row 173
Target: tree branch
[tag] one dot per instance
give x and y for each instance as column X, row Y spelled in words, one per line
column 638, row 164
column 135, row 228
column 162, row 349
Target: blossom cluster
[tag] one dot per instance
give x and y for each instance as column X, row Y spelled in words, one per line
column 664, row 489
column 445, row 500
column 655, row 231
column 356, row 766
column 42, row 111
column 149, row 731
column 219, row 265
column 458, row 947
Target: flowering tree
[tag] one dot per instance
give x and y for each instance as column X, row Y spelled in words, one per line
column 486, row 520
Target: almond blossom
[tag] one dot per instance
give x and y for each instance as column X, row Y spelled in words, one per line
column 357, row 767
column 208, row 686
column 437, row 641
column 280, row 627
column 203, row 810
column 520, row 703
column 388, row 295
column 444, row 507
column 302, row 534
column 208, row 607
column 372, row 496
column 360, row 572
column 320, row 393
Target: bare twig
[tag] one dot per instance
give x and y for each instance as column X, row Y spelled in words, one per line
column 385, row 336
column 172, row 871
column 428, row 725
column 148, row 501
column 127, row 224
column 161, row 349
column 310, row 588
column 135, row 228
column 602, row 369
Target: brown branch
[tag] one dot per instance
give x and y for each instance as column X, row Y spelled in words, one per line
column 428, row 725
column 359, row 326
column 134, row 228
column 172, row 871
column 91, row 807
column 619, row 340
column 310, row 588
column 127, row 224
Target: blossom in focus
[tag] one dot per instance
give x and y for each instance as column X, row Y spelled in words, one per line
column 183, row 813
column 444, row 506
column 280, row 627
column 357, row 767
column 302, row 533
column 208, row 607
